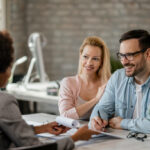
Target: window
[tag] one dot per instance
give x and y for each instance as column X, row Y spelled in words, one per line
column 2, row 14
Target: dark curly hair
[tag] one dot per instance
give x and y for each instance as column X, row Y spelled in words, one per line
column 6, row 51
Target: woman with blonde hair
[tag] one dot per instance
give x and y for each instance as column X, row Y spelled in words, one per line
column 80, row 93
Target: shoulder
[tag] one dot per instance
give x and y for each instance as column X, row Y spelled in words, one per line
column 120, row 73
column 6, row 99
column 8, row 106
column 118, row 78
column 70, row 81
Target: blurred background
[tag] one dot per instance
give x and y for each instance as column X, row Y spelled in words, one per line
column 65, row 24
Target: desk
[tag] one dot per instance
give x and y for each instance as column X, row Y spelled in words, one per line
column 105, row 144
column 39, row 117
column 117, row 144
column 21, row 93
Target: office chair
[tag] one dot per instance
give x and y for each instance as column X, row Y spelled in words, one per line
column 47, row 146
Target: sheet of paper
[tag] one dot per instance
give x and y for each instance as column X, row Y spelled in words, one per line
column 97, row 139
column 68, row 122
column 110, row 132
column 48, row 135
column 33, row 123
column 115, row 133
column 70, row 132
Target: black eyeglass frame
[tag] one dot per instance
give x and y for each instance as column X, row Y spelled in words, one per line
column 137, row 135
column 127, row 55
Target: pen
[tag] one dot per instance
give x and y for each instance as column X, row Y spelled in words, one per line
column 103, row 128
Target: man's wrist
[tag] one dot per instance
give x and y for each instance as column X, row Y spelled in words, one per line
column 125, row 123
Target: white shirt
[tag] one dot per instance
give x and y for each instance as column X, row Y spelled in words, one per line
column 137, row 110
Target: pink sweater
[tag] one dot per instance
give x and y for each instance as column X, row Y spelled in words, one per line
column 69, row 92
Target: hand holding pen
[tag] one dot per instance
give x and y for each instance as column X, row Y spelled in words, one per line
column 97, row 123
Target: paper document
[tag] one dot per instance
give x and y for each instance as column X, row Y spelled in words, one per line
column 33, row 123
column 48, row 135
column 71, row 123
column 115, row 133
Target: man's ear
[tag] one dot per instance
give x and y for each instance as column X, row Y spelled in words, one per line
column 148, row 53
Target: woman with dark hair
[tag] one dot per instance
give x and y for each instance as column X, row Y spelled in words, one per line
column 13, row 129
column 6, row 57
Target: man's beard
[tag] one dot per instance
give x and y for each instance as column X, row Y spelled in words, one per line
column 129, row 65
column 135, row 71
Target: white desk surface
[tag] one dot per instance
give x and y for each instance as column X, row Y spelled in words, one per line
column 117, row 144
column 21, row 93
column 39, row 117
column 98, row 144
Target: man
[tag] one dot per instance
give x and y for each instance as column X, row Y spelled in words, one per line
column 13, row 129
column 126, row 101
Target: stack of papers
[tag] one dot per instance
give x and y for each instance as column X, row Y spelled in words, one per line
column 74, row 124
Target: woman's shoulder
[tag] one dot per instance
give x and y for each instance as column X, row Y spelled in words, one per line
column 6, row 99
column 70, row 80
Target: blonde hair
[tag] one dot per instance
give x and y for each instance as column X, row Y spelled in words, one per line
column 104, row 72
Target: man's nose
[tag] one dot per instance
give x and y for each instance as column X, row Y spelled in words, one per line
column 124, row 60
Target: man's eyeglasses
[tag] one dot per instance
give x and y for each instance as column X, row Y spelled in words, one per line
column 130, row 56
column 137, row 136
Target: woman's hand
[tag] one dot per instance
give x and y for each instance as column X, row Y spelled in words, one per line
column 100, row 92
column 83, row 133
column 52, row 128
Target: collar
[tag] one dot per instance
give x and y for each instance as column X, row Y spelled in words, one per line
column 131, row 80
column 146, row 83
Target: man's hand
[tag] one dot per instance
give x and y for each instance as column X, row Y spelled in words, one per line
column 52, row 128
column 98, row 124
column 83, row 133
column 115, row 122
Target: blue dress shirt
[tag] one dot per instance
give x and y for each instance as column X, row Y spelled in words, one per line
column 119, row 99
